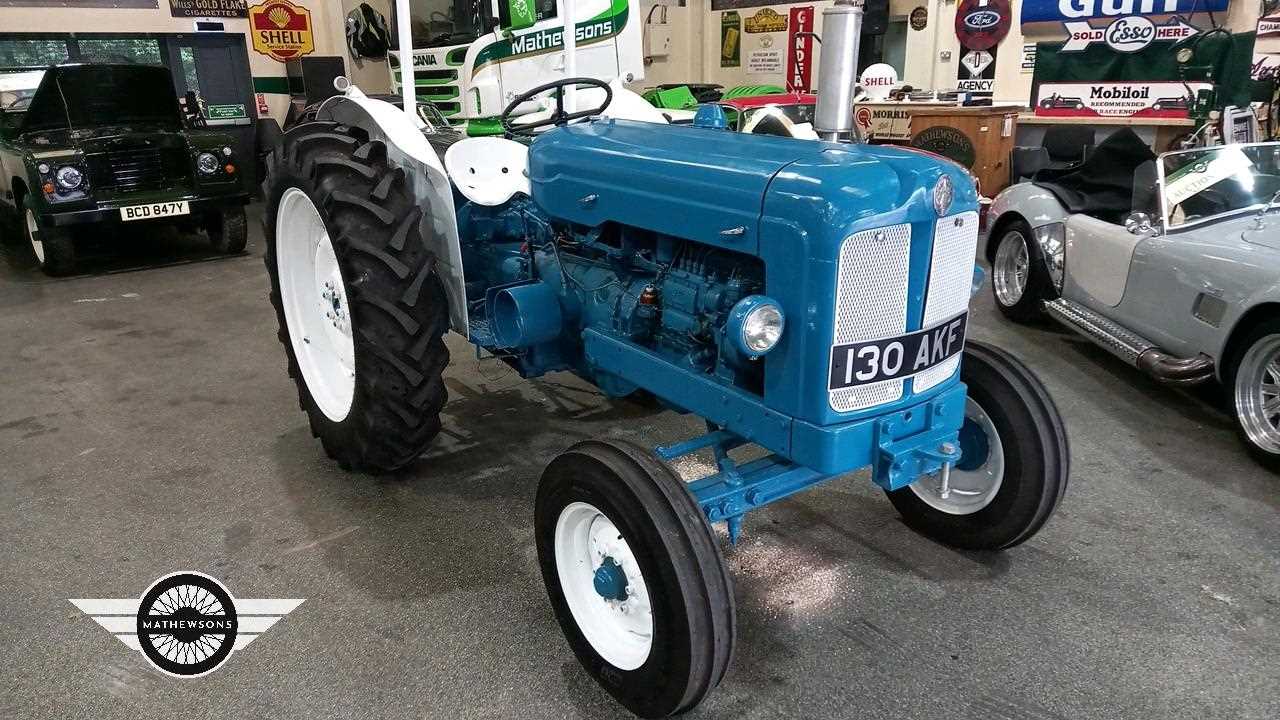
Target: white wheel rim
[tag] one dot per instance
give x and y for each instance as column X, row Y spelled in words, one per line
column 621, row 631
column 33, row 234
column 1009, row 270
column 1257, row 393
column 315, row 304
column 973, row 488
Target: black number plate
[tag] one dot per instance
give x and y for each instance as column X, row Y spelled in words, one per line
column 877, row 360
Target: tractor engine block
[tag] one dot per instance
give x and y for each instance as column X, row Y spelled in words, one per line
column 533, row 285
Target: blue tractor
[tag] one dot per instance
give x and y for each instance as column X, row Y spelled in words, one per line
column 809, row 298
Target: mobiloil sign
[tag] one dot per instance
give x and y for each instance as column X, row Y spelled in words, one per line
column 1118, row 99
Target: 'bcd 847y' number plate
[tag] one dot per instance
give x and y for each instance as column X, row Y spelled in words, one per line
column 152, row 211
column 876, row 360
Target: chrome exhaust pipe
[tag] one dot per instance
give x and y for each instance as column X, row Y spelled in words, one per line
column 1175, row 370
column 1133, row 349
column 838, row 70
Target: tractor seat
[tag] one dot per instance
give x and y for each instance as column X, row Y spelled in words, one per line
column 488, row 170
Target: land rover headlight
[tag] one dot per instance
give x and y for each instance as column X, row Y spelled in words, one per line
column 755, row 325
column 69, row 177
column 207, row 163
column 943, row 193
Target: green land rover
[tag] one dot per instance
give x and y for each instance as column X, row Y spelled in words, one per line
column 87, row 145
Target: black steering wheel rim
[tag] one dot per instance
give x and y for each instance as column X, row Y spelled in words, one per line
column 559, row 116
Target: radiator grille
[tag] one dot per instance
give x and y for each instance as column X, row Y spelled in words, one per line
column 136, row 169
column 955, row 242
column 871, row 303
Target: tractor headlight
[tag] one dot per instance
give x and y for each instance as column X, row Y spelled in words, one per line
column 1053, row 245
column 207, row 163
column 69, row 177
column 755, row 325
column 943, row 193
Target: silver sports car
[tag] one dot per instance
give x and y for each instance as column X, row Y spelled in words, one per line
column 1179, row 276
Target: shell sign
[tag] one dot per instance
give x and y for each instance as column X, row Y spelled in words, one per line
column 281, row 30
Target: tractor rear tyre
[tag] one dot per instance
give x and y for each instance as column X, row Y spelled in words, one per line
column 635, row 577
column 360, row 308
column 1014, row 460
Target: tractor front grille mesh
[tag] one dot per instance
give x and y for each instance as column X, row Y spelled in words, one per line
column 871, row 303
column 955, row 242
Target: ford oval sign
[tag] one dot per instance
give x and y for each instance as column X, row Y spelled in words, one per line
column 982, row 24
column 982, row 19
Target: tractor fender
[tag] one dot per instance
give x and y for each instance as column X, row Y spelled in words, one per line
column 407, row 147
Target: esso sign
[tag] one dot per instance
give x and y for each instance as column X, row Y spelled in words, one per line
column 878, row 79
column 1130, row 34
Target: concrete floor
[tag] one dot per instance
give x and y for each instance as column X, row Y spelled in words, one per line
column 147, row 426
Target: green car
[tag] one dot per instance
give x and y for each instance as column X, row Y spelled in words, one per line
column 106, row 144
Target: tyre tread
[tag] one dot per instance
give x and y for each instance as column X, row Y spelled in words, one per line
column 400, row 351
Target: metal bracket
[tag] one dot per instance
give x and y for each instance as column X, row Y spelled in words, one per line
column 901, row 461
column 730, row 493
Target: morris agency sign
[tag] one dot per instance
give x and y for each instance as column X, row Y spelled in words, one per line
column 1034, row 11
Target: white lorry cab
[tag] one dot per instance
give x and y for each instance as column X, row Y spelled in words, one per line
column 470, row 67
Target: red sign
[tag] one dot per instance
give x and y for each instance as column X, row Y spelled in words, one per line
column 982, row 24
column 800, row 50
column 281, row 30
column 1170, row 99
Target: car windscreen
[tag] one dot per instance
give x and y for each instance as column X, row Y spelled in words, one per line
column 1200, row 184
column 17, row 87
column 96, row 95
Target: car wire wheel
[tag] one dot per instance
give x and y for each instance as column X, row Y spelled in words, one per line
column 1010, row 267
column 1257, row 393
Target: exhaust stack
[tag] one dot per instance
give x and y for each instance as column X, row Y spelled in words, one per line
column 838, row 70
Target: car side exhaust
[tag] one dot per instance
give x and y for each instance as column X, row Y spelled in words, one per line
column 1133, row 349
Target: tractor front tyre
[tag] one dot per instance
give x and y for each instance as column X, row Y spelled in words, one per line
column 1013, row 466
column 228, row 229
column 634, row 576
column 360, row 308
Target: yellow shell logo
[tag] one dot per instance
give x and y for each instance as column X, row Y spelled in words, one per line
column 279, row 16
column 281, row 30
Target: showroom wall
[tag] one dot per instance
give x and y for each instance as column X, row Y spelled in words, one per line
column 327, row 18
column 931, row 53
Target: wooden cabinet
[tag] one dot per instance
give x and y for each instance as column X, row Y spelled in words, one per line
column 979, row 138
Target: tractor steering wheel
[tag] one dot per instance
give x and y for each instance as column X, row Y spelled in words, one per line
column 559, row 117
